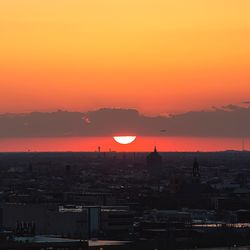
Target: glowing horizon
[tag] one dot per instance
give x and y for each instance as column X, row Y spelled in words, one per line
column 107, row 144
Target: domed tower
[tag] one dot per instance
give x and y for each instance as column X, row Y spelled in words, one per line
column 154, row 163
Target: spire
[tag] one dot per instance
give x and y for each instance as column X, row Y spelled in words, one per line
column 155, row 150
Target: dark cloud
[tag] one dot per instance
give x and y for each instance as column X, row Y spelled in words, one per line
column 228, row 121
column 231, row 107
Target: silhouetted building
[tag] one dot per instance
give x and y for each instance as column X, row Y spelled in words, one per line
column 196, row 172
column 154, row 163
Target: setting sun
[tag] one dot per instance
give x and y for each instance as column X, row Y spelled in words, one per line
column 124, row 139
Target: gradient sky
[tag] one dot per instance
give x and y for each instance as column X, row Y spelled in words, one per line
column 154, row 55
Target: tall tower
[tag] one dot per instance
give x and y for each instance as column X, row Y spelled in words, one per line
column 154, row 163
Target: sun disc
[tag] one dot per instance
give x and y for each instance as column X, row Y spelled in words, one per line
column 124, row 139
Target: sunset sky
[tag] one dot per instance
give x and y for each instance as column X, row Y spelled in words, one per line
column 157, row 56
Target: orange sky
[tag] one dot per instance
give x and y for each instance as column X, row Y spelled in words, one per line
column 154, row 55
